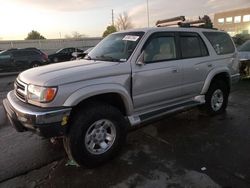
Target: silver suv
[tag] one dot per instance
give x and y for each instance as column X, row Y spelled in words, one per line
column 129, row 78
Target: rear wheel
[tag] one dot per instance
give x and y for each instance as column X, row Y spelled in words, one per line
column 96, row 135
column 216, row 98
column 34, row 64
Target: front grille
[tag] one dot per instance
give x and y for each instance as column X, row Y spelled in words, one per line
column 20, row 90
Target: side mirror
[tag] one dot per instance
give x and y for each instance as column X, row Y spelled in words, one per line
column 140, row 60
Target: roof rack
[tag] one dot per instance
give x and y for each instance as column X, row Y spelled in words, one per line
column 204, row 22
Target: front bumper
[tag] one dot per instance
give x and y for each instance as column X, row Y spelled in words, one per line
column 47, row 122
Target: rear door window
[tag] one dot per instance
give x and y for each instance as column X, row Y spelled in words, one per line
column 192, row 46
column 221, row 42
column 18, row 54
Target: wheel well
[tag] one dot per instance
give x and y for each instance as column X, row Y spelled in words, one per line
column 113, row 99
column 223, row 77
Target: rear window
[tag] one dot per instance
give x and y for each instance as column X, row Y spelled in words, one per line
column 221, row 42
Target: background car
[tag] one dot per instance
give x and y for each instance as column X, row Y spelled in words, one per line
column 244, row 50
column 244, row 55
column 81, row 55
column 64, row 54
column 17, row 60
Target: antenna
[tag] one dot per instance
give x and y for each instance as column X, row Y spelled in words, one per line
column 112, row 17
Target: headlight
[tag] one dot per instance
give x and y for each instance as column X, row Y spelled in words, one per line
column 41, row 94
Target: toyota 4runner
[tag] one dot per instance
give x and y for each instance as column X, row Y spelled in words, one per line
column 129, row 78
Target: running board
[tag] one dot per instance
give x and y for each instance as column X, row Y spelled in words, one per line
column 142, row 118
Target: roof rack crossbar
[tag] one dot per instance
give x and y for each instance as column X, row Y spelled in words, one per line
column 205, row 22
column 174, row 19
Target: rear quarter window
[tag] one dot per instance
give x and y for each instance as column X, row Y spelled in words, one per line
column 221, row 42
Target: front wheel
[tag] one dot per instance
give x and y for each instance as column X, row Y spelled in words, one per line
column 97, row 134
column 216, row 98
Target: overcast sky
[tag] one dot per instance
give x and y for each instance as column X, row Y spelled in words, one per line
column 90, row 17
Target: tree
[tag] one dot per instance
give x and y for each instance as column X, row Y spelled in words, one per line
column 123, row 22
column 75, row 35
column 34, row 35
column 110, row 29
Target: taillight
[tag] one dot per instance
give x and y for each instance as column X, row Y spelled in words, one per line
column 45, row 56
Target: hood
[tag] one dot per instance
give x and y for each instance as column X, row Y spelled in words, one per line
column 67, row 72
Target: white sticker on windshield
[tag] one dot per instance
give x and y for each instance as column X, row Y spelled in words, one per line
column 131, row 38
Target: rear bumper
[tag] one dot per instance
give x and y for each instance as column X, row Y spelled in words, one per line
column 49, row 122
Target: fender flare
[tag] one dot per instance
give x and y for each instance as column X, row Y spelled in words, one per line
column 94, row 90
column 211, row 75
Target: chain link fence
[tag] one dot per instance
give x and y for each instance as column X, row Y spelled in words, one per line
column 51, row 45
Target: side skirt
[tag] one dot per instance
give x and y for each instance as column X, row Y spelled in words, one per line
column 148, row 117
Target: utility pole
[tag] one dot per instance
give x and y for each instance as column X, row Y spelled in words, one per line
column 112, row 17
column 148, row 13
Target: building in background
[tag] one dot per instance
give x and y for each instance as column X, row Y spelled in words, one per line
column 234, row 21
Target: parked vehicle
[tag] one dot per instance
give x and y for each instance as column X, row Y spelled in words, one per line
column 129, row 78
column 81, row 55
column 244, row 50
column 64, row 54
column 244, row 55
column 17, row 60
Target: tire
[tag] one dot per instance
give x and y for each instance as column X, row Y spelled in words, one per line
column 216, row 98
column 55, row 60
column 90, row 146
column 34, row 64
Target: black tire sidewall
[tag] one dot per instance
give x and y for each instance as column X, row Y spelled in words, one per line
column 83, row 120
column 33, row 64
column 213, row 87
column 55, row 59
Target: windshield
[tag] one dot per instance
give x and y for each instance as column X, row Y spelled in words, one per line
column 245, row 46
column 116, row 47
